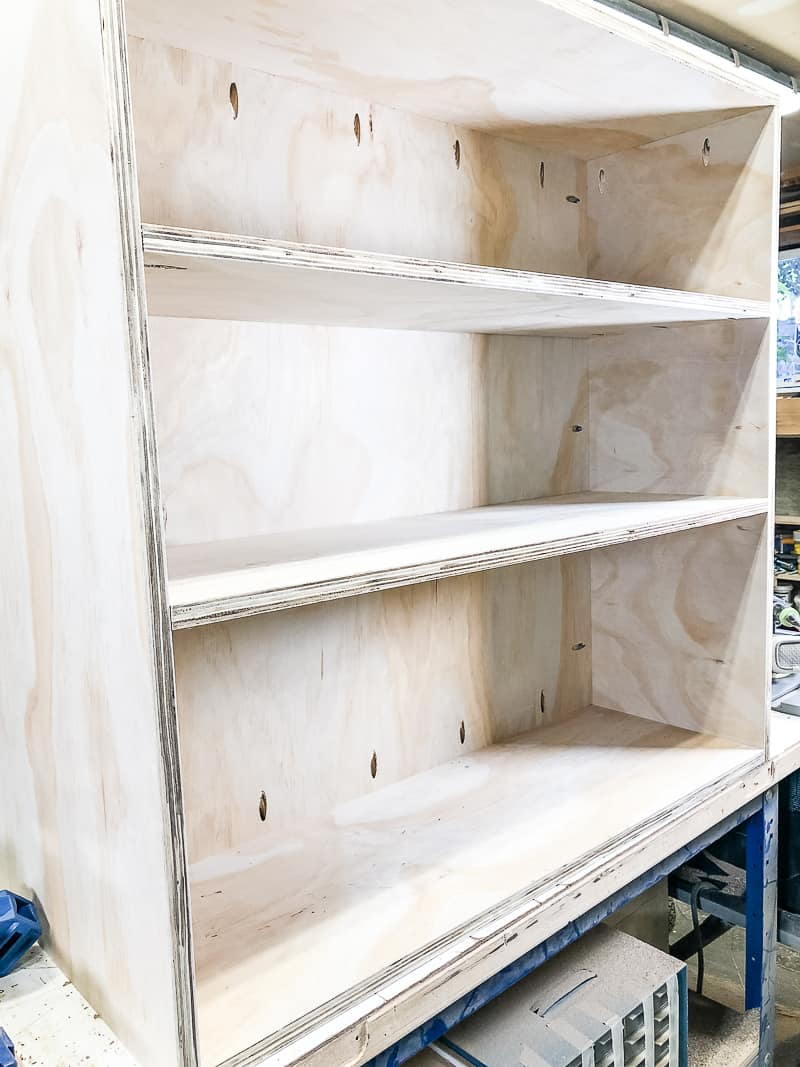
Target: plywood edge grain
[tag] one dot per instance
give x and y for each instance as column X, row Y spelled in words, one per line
column 198, row 274
column 226, row 580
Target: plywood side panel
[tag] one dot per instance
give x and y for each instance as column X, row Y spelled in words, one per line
column 684, row 410
column 679, row 629
column 292, row 166
column 82, row 789
column 304, row 705
column 704, row 209
column 267, row 428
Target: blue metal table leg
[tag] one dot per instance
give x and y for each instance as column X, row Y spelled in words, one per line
column 761, row 906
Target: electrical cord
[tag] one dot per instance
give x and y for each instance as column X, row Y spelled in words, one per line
column 697, row 888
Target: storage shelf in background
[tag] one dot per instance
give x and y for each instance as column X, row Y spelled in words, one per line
column 194, row 274
column 228, row 579
column 431, row 861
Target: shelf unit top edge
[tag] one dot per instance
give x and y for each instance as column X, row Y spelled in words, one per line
column 175, row 242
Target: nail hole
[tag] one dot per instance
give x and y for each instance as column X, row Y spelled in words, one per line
column 601, row 180
column 373, row 765
column 357, row 128
column 233, row 94
column 262, row 807
column 706, row 152
column 541, row 701
column 573, row 199
column 577, row 428
column 541, row 175
column 579, row 646
column 457, row 153
column 462, row 732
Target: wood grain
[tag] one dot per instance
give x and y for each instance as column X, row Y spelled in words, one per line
column 788, row 416
column 196, row 274
column 463, row 69
column 472, row 832
column 82, row 789
column 706, row 201
column 228, row 579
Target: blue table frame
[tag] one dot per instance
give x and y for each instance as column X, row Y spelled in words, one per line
column 761, row 906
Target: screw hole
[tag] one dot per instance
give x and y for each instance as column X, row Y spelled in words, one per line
column 541, row 701
column 572, row 199
column 706, row 152
column 577, row 428
column 262, row 807
column 601, row 180
column 233, row 95
column 541, row 175
column 579, row 646
column 462, row 732
column 457, row 153
column 357, row 128
column 373, row 765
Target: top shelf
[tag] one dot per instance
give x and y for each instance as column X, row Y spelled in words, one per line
column 196, row 274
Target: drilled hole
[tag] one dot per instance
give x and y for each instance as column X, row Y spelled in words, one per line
column 541, row 701
column 706, row 152
column 233, row 94
column 579, row 646
column 462, row 732
column 577, row 428
column 601, row 180
column 457, row 153
column 262, row 807
column 373, row 765
column 541, row 175
column 357, row 128
column 572, row 199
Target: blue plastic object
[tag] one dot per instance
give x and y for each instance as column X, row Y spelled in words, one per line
column 7, row 1057
column 19, row 930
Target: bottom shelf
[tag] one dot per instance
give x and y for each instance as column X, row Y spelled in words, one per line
column 301, row 916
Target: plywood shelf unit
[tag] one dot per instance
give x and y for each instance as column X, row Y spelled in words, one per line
column 231, row 579
column 193, row 274
column 458, row 352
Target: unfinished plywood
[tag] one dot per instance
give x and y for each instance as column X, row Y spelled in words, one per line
column 195, row 274
column 298, row 164
column 706, row 202
column 467, row 69
column 685, row 410
column 470, row 832
column 415, row 676
column 82, row 684
column 226, row 579
column 678, row 629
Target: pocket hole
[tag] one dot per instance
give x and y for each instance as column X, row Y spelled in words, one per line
column 373, row 765
column 233, row 95
column 601, row 180
column 357, row 128
column 462, row 732
column 572, row 199
column 541, row 175
column 457, row 153
column 262, row 807
column 706, row 152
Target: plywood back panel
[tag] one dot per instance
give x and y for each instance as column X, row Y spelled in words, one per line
column 305, row 705
column 679, row 629
column 297, row 163
column 83, row 796
column 265, row 428
column 683, row 410
column 696, row 211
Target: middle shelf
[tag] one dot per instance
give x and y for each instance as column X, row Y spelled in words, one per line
column 198, row 274
column 229, row 579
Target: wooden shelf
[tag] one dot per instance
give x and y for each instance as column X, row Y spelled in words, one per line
column 228, row 579
column 193, row 274
column 426, row 860
column 787, row 520
column 787, row 414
